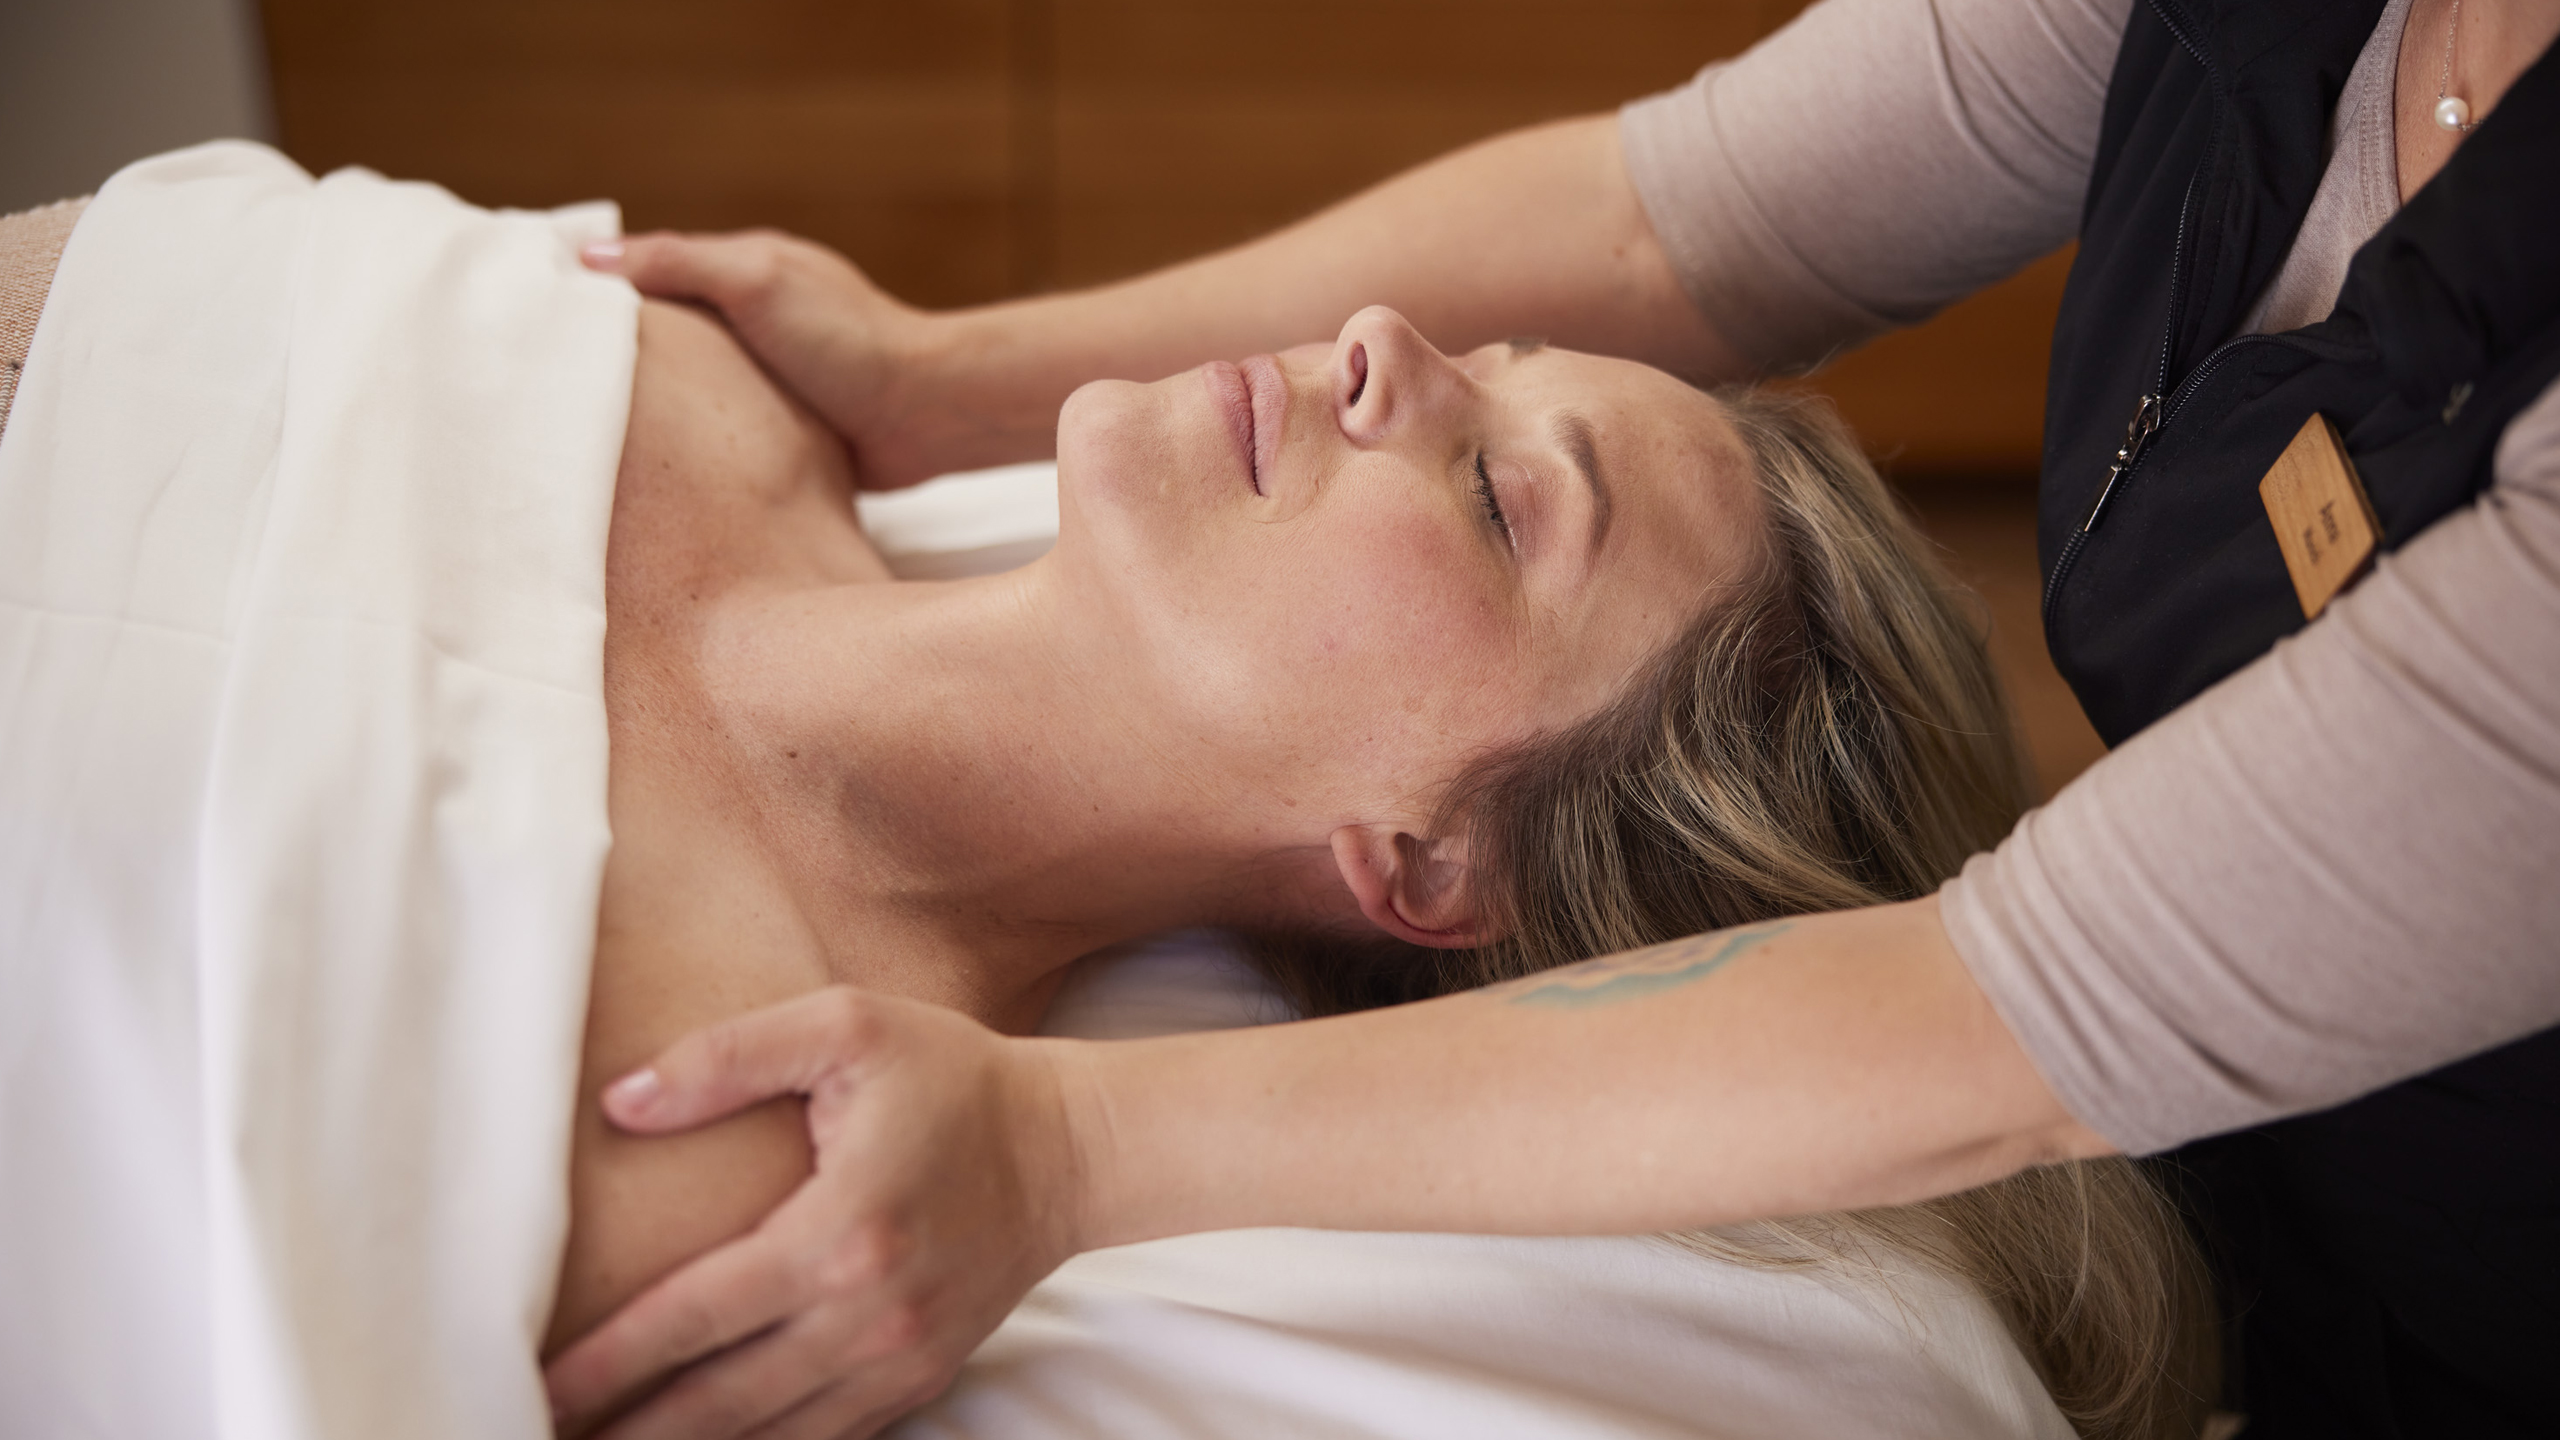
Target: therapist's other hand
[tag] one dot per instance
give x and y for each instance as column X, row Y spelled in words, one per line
column 847, row 348
column 942, row 1155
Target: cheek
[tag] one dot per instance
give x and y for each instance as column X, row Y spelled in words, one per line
column 1403, row 597
column 1368, row 640
column 1386, row 639
column 1097, row 418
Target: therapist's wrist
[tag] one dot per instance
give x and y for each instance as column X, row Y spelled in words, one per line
column 918, row 412
column 1131, row 1169
column 982, row 387
column 1075, row 1178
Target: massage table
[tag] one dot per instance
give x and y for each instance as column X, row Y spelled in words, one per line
column 303, row 500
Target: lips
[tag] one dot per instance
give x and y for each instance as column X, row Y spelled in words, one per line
column 1233, row 395
column 1270, row 391
column 1253, row 398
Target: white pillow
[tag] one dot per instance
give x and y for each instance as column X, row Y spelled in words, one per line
column 976, row 522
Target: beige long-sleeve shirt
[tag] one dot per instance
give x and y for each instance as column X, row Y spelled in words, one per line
column 2339, row 867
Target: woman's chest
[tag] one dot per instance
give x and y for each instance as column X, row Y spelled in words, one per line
column 726, row 492
column 725, row 484
column 728, row 497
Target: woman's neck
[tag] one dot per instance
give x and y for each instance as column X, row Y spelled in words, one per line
column 970, row 791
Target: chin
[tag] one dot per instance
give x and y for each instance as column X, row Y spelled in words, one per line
column 1111, row 442
column 1137, row 471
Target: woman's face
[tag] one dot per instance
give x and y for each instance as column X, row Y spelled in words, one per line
column 1352, row 568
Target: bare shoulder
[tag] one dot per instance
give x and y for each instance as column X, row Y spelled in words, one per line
column 726, row 478
column 728, row 491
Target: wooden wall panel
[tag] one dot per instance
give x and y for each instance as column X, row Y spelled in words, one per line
column 886, row 129
column 963, row 150
column 1183, row 126
column 1988, row 535
column 1960, row 399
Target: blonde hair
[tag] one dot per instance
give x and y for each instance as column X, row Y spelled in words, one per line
column 1829, row 734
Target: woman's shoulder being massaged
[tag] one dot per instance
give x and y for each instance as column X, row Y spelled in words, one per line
column 1429, row 670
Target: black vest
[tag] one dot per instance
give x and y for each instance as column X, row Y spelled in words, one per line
column 2394, row 1264
column 2169, row 579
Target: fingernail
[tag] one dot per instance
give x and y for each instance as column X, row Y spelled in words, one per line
column 603, row 255
column 634, row 1091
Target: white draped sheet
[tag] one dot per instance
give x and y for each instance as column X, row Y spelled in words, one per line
column 303, row 505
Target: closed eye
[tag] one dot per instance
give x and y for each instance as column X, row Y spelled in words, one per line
column 1492, row 506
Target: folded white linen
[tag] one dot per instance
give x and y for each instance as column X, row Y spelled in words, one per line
column 303, row 506
column 975, row 522
column 1315, row 1335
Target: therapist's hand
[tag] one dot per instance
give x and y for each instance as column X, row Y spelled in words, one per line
column 943, row 1160
column 848, row 349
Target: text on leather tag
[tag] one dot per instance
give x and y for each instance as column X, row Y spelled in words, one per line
column 2323, row 521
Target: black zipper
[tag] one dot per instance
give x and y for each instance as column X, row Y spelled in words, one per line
column 2155, row 408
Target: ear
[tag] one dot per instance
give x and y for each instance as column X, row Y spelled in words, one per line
column 1422, row 892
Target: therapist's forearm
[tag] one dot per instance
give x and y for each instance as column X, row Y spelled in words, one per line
column 1831, row 1062
column 1537, row 232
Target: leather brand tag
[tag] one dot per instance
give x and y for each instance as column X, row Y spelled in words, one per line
column 2324, row 523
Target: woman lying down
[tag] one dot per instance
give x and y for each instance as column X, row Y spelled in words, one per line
column 349, row 601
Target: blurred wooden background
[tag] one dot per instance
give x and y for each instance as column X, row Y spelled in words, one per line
column 966, row 150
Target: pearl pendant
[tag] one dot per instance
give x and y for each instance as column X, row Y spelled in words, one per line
column 2453, row 113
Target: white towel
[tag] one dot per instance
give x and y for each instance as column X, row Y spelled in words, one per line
column 303, row 507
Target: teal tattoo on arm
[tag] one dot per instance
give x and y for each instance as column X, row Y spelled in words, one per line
column 1633, row 976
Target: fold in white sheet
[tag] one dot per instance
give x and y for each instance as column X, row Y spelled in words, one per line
column 303, row 506
column 1319, row 1335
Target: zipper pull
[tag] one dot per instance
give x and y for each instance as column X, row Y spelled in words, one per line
column 2146, row 422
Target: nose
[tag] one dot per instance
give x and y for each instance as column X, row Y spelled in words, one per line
column 1386, row 376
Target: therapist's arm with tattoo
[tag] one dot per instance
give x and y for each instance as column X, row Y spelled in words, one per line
column 1823, row 1063
column 1613, row 978
column 1827, row 1062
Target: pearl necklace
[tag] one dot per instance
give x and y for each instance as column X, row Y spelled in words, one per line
column 2452, row 111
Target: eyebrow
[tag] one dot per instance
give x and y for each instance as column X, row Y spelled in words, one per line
column 1575, row 435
